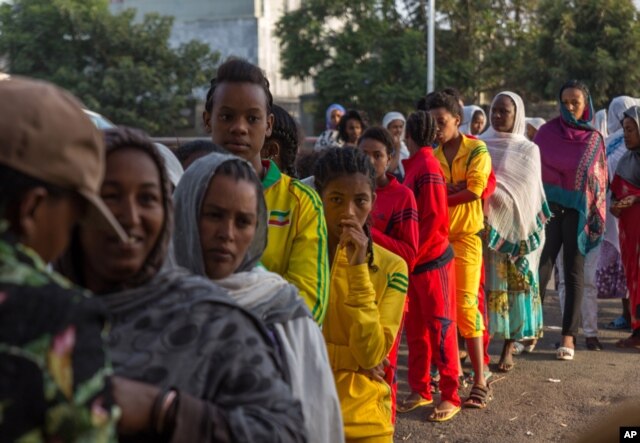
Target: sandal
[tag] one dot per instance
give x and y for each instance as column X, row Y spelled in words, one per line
column 629, row 343
column 435, row 382
column 518, row 348
column 565, row 353
column 593, row 344
column 618, row 324
column 409, row 405
column 438, row 417
column 478, row 397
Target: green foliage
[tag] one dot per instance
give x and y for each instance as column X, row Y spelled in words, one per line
column 359, row 52
column 367, row 54
column 596, row 41
column 121, row 68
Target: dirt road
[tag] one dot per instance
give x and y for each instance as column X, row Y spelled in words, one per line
column 526, row 406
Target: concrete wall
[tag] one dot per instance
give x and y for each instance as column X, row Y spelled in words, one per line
column 242, row 28
column 190, row 9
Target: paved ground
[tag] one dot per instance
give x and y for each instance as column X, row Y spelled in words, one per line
column 527, row 407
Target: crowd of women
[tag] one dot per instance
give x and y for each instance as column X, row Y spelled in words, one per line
column 244, row 290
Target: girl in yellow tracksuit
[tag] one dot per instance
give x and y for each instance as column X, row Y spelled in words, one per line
column 466, row 164
column 367, row 291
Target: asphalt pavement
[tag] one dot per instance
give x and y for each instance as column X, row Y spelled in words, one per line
column 542, row 399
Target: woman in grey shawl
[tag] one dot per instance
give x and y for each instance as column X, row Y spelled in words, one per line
column 221, row 233
column 174, row 330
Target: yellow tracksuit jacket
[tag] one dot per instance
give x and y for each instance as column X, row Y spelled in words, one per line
column 297, row 244
column 365, row 310
column 472, row 164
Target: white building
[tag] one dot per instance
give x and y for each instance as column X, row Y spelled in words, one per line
column 243, row 28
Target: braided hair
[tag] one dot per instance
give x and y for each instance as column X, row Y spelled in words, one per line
column 338, row 162
column 421, row 127
column 285, row 131
column 236, row 70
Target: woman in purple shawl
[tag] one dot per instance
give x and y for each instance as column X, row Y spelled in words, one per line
column 574, row 174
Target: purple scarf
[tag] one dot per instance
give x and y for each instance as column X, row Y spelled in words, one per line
column 574, row 173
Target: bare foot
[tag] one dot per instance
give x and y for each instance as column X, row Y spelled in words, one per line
column 506, row 359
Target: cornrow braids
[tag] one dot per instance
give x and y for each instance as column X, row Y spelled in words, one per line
column 421, row 127
column 285, row 131
column 380, row 134
column 236, row 70
column 338, row 162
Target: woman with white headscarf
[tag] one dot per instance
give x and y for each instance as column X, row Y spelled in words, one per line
column 532, row 125
column 395, row 123
column 474, row 120
column 515, row 217
column 600, row 122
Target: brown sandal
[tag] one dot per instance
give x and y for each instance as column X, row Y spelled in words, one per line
column 478, row 397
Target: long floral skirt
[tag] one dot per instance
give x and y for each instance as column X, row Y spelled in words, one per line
column 515, row 309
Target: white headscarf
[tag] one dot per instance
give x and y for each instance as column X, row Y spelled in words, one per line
column 391, row 116
column 467, row 117
column 517, row 210
column 600, row 122
column 616, row 110
column 171, row 164
column 404, row 151
column 536, row 122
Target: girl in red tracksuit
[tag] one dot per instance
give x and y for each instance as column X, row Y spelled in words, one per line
column 394, row 222
column 431, row 319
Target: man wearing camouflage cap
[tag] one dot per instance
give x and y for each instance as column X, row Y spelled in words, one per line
column 53, row 369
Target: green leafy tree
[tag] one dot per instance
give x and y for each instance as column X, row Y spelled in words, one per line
column 360, row 53
column 371, row 54
column 483, row 46
column 596, row 41
column 117, row 66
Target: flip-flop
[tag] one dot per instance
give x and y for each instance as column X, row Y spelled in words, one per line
column 565, row 353
column 449, row 414
column 518, row 348
column 407, row 406
column 628, row 343
column 618, row 324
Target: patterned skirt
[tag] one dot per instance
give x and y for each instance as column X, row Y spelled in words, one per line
column 515, row 309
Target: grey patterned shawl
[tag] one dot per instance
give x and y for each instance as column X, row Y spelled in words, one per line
column 272, row 303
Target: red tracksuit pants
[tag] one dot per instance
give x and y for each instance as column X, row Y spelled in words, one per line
column 482, row 307
column 390, row 371
column 432, row 332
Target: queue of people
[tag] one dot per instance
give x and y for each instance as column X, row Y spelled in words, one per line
column 237, row 290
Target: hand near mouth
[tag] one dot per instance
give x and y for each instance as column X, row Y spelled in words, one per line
column 354, row 240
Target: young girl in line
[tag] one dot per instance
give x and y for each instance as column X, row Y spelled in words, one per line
column 394, row 219
column 238, row 115
column 367, row 295
column 466, row 165
column 431, row 319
